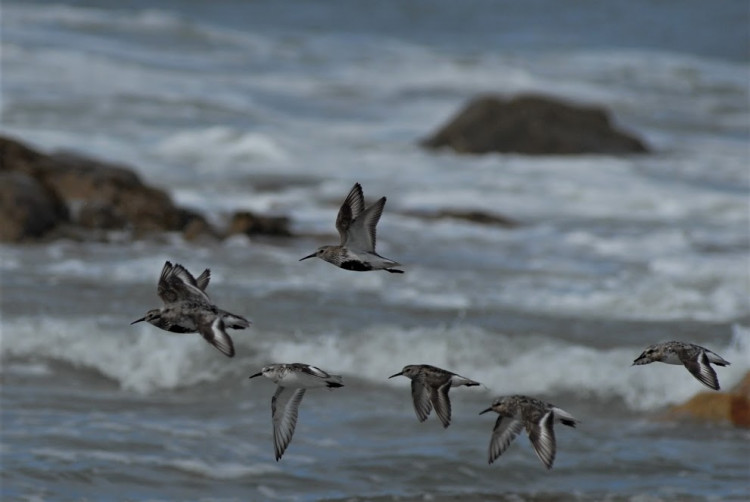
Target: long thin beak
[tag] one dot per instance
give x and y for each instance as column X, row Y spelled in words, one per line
column 485, row 411
column 397, row 374
column 256, row 375
column 138, row 320
column 309, row 256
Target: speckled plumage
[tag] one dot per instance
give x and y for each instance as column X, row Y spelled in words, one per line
column 695, row 358
column 356, row 226
column 297, row 377
column 188, row 309
column 429, row 389
column 536, row 416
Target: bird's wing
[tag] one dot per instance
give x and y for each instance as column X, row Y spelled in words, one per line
column 202, row 280
column 185, row 284
column 441, row 402
column 284, row 419
column 702, row 370
column 421, row 396
column 176, row 283
column 352, row 207
column 542, row 437
column 362, row 231
column 214, row 332
column 505, row 431
column 164, row 289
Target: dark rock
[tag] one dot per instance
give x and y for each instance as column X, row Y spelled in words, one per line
column 195, row 226
column 107, row 196
column 245, row 222
column 473, row 216
column 532, row 125
column 96, row 215
column 100, row 184
column 28, row 210
column 39, row 192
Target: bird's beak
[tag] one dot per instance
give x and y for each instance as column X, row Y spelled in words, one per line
column 397, row 374
column 138, row 320
column 256, row 375
column 485, row 411
column 309, row 256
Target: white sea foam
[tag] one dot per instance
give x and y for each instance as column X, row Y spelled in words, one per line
column 220, row 147
column 194, row 466
column 139, row 359
column 147, row 360
column 529, row 364
column 223, row 470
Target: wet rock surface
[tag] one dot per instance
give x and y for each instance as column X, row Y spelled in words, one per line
column 67, row 194
column 533, row 125
column 731, row 407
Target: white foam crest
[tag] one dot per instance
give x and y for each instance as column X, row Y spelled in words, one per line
column 141, row 358
column 78, row 17
column 220, row 147
column 530, row 364
column 677, row 287
column 207, row 469
column 223, row 470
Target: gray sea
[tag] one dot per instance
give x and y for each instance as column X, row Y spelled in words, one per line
column 280, row 107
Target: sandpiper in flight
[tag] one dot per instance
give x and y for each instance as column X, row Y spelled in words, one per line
column 187, row 308
column 429, row 388
column 356, row 226
column 538, row 417
column 695, row 358
column 296, row 377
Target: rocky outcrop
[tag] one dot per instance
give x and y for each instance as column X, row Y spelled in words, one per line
column 45, row 195
column 533, row 125
column 28, row 209
column 245, row 222
column 727, row 407
column 473, row 216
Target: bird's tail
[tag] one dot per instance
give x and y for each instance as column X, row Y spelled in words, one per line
column 235, row 321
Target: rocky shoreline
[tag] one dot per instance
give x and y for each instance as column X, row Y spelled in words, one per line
column 65, row 195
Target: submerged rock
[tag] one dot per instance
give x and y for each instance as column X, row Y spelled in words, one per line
column 533, row 125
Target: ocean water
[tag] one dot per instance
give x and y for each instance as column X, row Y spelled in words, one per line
column 280, row 108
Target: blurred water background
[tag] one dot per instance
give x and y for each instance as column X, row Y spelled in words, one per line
column 279, row 107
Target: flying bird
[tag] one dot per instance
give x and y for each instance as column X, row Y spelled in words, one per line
column 356, row 225
column 695, row 358
column 188, row 309
column 429, row 389
column 537, row 417
column 292, row 380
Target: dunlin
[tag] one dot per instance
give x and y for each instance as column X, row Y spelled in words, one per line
column 429, row 389
column 356, row 226
column 519, row 412
column 296, row 377
column 695, row 358
column 187, row 308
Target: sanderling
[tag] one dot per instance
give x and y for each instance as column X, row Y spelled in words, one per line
column 694, row 357
column 299, row 377
column 187, row 308
column 517, row 412
column 356, row 226
column 429, row 388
